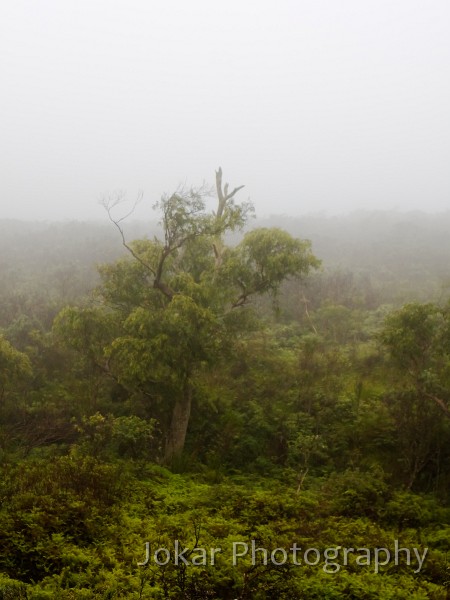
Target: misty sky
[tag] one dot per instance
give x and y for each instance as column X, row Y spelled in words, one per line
column 314, row 105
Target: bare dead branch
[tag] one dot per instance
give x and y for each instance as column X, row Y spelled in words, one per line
column 108, row 204
column 442, row 405
column 223, row 195
column 305, row 302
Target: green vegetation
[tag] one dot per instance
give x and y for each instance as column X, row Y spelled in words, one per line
column 215, row 387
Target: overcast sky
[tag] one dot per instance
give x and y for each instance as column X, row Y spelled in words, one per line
column 314, row 105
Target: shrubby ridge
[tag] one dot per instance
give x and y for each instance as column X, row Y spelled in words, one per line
column 211, row 380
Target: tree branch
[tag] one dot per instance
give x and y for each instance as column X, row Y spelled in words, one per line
column 108, row 205
column 223, row 195
column 442, row 405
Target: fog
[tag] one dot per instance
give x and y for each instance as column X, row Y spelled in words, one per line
column 314, row 105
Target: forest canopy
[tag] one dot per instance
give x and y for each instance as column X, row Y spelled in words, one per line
column 214, row 380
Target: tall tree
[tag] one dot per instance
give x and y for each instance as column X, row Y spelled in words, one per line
column 183, row 298
column 418, row 339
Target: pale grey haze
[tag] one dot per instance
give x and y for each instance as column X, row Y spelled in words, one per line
column 314, row 105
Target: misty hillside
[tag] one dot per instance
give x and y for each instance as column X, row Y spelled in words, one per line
column 403, row 255
column 312, row 410
column 404, row 242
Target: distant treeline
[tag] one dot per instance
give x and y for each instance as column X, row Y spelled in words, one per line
column 399, row 256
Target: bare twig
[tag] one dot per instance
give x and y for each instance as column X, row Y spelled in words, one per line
column 109, row 204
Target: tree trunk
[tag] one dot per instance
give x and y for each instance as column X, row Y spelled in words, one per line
column 179, row 423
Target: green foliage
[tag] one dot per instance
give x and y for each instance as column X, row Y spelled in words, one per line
column 84, row 329
column 264, row 259
column 14, row 365
column 109, row 436
column 164, row 508
column 48, row 505
column 11, row 589
column 310, row 424
column 417, row 337
column 411, row 333
column 356, row 493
